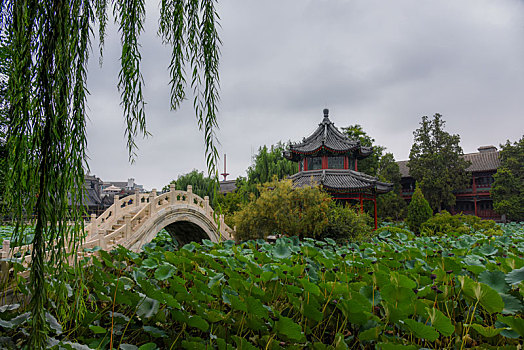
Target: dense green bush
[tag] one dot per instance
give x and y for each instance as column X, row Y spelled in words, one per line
column 419, row 211
column 283, row 210
column 444, row 223
column 302, row 212
column 345, row 223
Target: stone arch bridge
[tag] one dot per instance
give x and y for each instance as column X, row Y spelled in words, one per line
column 135, row 220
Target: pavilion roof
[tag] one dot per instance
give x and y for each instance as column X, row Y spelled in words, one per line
column 340, row 180
column 328, row 136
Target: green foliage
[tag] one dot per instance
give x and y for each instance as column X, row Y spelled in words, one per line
column 436, row 162
column 303, row 212
column 345, row 223
column 419, row 211
column 268, row 164
column 390, row 206
column 391, row 292
column 47, row 91
column 281, row 209
column 444, row 223
column 201, row 185
column 389, row 230
column 508, row 188
column 370, row 164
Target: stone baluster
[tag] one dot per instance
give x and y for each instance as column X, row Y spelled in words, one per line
column 6, row 247
column 93, row 230
column 190, row 194
column 206, row 205
column 4, row 265
column 116, row 200
column 222, row 223
column 172, row 196
column 152, row 202
column 102, row 241
column 137, row 197
column 127, row 223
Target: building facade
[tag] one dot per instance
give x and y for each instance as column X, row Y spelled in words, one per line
column 474, row 200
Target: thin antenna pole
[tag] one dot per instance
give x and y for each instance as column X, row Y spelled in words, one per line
column 225, row 173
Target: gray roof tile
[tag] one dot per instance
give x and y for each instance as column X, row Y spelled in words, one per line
column 340, row 180
column 486, row 160
column 328, row 136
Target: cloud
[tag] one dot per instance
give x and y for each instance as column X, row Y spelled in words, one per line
column 379, row 64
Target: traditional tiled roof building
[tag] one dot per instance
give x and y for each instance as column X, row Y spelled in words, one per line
column 475, row 199
column 329, row 158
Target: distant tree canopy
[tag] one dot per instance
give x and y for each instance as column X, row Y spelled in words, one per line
column 370, row 164
column 436, row 162
column 380, row 164
column 201, row 185
column 391, row 205
column 508, row 188
column 270, row 163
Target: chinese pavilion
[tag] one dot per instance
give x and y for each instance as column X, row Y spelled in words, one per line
column 330, row 158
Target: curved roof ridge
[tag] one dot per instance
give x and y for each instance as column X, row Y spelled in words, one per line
column 327, row 135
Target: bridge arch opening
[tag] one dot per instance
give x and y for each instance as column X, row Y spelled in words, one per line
column 185, row 232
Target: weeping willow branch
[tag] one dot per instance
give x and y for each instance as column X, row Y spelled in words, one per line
column 49, row 45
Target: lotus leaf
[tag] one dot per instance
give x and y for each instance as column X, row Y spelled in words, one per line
column 487, row 332
column 516, row 276
column 441, row 322
column 421, row 330
column 287, row 327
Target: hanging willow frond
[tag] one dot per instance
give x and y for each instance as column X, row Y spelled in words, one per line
column 49, row 44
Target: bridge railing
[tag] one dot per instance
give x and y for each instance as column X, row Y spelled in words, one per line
column 133, row 210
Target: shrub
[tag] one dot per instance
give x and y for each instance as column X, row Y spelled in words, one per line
column 419, row 211
column 282, row 209
column 345, row 223
column 444, row 223
column 303, row 212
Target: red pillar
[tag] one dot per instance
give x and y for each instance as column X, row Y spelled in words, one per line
column 361, row 203
column 375, row 202
column 305, row 163
column 475, row 201
column 356, row 167
column 324, row 162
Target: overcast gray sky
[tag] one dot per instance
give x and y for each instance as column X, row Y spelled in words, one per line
column 380, row 64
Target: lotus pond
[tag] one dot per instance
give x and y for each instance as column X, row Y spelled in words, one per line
column 393, row 292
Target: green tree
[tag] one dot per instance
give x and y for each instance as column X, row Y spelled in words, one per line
column 47, row 94
column 508, row 188
column 436, row 162
column 268, row 163
column 380, row 164
column 201, row 185
column 281, row 209
column 419, row 210
column 391, row 205
column 4, row 64
column 370, row 164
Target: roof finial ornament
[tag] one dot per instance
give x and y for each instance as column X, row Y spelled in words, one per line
column 326, row 117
